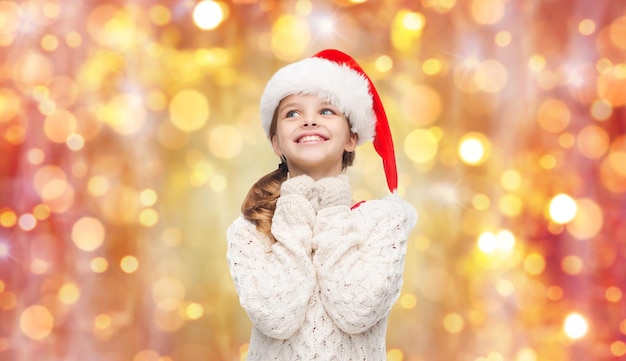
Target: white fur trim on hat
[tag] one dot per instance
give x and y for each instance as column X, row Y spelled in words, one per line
column 344, row 88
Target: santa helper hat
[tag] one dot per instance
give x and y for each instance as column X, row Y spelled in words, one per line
column 336, row 76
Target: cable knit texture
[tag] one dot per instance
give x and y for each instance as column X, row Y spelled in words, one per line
column 324, row 289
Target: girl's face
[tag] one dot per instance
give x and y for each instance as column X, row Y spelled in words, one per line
column 312, row 135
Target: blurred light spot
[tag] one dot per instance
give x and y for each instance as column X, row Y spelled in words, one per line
column 487, row 242
column 39, row 266
column 73, row 39
column 88, row 233
column 487, row 11
column 8, row 218
column 491, row 76
column 8, row 300
column 225, row 141
column 422, row 105
column 505, row 288
column 148, row 197
column 98, row 185
column 575, row 326
column 618, row 348
column 510, row 205
column 171, row 136
column 534, row 264
column 601, row 109
column 586, row 27
column 36, row 322
column 406, row 30
column 572, row 265
column 408, row 301
column 304, row 7
column 172, row 237
column 613, row 294
column 208, row 15
column 99, row 264
column 75, row 142
column 617, row 32
column 567, row 140
column 588, row 219
column 474, row 148
column 420, row 146
column 27, row 222
column 167, row 320
column 189, row 110
column 503, row 38
column 129, row 264
column 453, row 323
column 384, row 63
column 422, row 243
column 593, row 141
column 5, row 251
column 547, row 161
column 511, row 180
column 59, row 125
column 168, row 293
column 481, row 202
column 553, row 115
column 194, row 311
column 218, row 183
column 49, row 42
column 432, row 66
column 41, row 212
column 156, row 100
column 554, row 293
column 526, row 354
column 125, row 113
column 160, row 15
column 69, row 293
column 290, row 36
column 562, row 208
column 102, row 321
column 395, row 354
column 604, row 66
column 148, row 217
column 32, row 69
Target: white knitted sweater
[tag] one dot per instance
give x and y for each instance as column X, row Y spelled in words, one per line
column 323, row 290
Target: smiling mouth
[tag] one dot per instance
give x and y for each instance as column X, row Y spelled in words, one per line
column 310, row 139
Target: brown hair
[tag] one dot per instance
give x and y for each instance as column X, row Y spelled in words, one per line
column 260, row 203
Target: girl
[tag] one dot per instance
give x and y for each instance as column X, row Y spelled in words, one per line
column 316, row 273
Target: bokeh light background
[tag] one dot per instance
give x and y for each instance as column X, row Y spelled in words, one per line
column 130, row 133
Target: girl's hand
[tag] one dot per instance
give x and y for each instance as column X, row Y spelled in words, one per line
column 302, row 185
column 334, row 191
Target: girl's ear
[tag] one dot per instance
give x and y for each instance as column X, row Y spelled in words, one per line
column 353, row 139
column 276, row 146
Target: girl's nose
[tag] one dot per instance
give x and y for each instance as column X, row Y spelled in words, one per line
column 309, row 120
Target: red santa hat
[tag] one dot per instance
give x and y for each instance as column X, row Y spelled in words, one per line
column 334, row 75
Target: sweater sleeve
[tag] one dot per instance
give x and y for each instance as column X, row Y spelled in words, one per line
column 360, row 260
column 274, row 280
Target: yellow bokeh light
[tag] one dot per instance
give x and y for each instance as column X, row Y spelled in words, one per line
column 572, row 264
column 289, row 38
column 168, row 293
column 553, row 115
column 27, row 222
column 505, row 288
column 503, row 38
column 102, row 322
column 69, row 293
column 88, row 233
column 601, row 109
column 194, row 311
column 481, row 202
column 422, row 105
column 575, row 326
column 8, row 218
column 474, row 148
column 534, row 264
column 208, row 14
column 408, row 301
column 148, row 217
column 586, row 27
column 36, row 322
column 420, row 146
column 593, row 141
column 189, row 110
column 406, row 30
column 587, row 221
column 613, row 294
column 160, row 15
column 225, row 141
column 395, row 354
column 129, row 264
column 432, row 66
column 562, row 208
column 487, row 242
column 384, row 63
column 59, row 125
column 511, row 180
column 148, row 197
column 453, row 323
column 618, row 348
column 490, row 76
column 99, row 264
column 510, row 205
column 487, row 11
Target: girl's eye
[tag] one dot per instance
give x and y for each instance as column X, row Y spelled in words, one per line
column 291, row 114
column 327, row 111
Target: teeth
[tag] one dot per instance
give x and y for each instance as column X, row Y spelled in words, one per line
column 310, row 138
